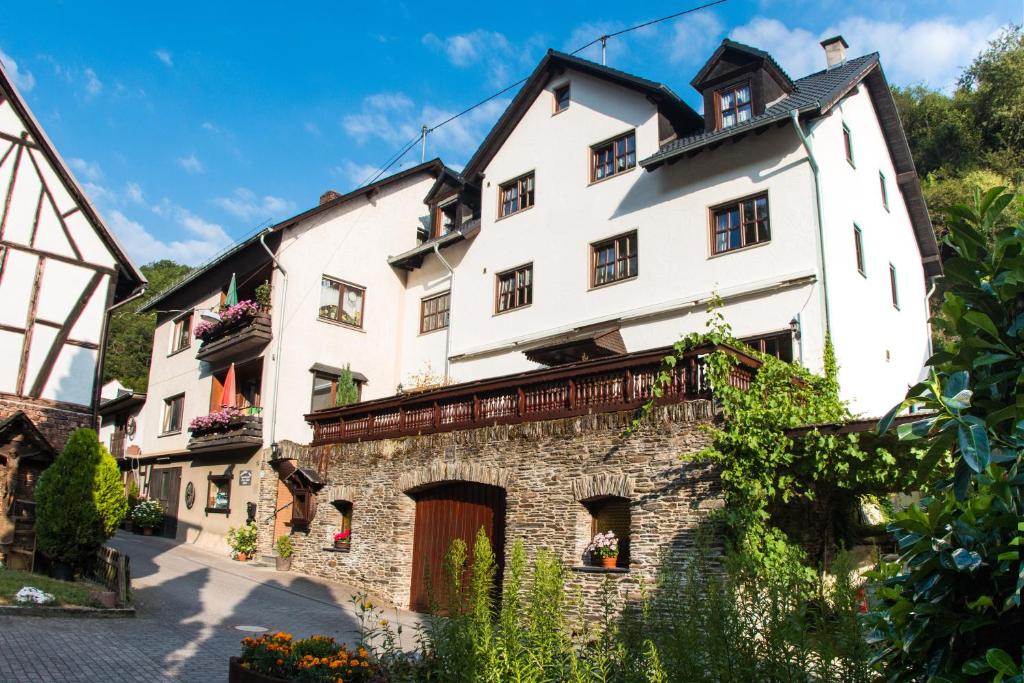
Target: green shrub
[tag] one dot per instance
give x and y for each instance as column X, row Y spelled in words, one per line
column 243, row 539
column 283, row 546
column 80, row 501
column 348, row 390
column 148, row 514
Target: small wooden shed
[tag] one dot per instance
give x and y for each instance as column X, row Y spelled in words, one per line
column 24, row 454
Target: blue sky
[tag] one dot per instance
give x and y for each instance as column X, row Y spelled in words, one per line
column 189, row 128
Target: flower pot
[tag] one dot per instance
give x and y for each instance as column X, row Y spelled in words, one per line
column 242, row 557
column 342, row 545
column 283, row 564
column 609, row 562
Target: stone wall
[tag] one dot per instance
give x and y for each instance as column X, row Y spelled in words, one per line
column 546, row 469
column 56, row 421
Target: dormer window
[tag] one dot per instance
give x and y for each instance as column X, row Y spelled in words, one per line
column 734, row 105
column 445, row 217
column 562, row 98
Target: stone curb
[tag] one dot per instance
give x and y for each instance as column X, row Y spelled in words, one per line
column 65, row 612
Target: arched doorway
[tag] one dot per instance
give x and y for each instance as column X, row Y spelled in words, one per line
column 445, row 512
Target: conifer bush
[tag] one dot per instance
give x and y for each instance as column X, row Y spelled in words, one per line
column 80, row 501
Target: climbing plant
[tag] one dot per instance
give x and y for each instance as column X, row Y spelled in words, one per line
column 763, row 468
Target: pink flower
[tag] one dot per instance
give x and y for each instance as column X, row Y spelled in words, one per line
column 342, row 535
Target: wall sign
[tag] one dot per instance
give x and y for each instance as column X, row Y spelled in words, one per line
column 190, row 495
column 245, row 478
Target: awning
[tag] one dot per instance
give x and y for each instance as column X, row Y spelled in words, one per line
column 577, row 345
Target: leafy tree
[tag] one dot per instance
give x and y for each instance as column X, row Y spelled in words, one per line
column 945, row 192
column 80, row 501
column 130, row 341
column 950, row 610
column 939, row 128
column 348, row 391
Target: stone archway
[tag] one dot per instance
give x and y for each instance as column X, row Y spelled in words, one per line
column 439, row 472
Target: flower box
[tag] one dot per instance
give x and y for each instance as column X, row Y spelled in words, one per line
column 236, row 336
column 225, row 428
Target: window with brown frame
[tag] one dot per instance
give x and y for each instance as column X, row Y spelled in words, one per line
column 434, row 312
column 740, row 224
column 779, row 344
column 445, row 215
column 515, row 195
column 325, row 391
column 885, row 190
column 611, row 513
column 562, row 98
column 218, row 493
column 614, row 259
column 174, row 408
column 893, row 288
column 858, row 245
column 341, row 301
column 613, row 156
column 848, row 144
column 515, row 288
column 734, row 105
column 181, row 336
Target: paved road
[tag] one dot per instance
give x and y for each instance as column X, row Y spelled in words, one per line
column 189, row 602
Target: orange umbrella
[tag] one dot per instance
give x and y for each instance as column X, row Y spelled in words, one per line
column 227, row 395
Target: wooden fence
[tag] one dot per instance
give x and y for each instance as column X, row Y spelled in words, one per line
column 112, row 569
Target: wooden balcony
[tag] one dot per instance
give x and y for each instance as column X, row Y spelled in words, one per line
column 117, row 444
column 246, row 431
column 236, row 341
column 623, row 382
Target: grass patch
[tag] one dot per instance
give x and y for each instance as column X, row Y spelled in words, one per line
column 65, row 593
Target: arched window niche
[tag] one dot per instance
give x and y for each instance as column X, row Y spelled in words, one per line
column 604, row 504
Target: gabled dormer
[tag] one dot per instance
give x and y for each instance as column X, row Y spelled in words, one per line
column 738, row 83
column 451, row 203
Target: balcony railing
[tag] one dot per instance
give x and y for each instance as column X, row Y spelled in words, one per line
column 605, row 385
column 236, row 340
column 246, row 430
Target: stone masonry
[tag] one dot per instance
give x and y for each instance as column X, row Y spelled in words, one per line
column 56, row 421
column 546, row 468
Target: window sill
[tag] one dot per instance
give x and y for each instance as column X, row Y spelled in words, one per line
column 862, row 274
column 348, row 326
column 181, row 350
column 173, row 433
column 514, row 213
column 610, row 177
column 218, row 511
column 437, row 329
column 335, row 550
column 511, row 310
column 740, row 249
column 589, row 569
column 603, row 285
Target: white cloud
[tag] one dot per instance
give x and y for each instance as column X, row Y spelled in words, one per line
column 210, row 127
column 203, row 241
column 90, row 170
column 93, row 85
column 489, row 49
column 353, row 173
column 931, row 51
column 165, row 57
column 695, row 36
column 246, row 205
column 394, row 119
column 23, row 80
column 134, row 193
column 191, row 164
column 312, row 128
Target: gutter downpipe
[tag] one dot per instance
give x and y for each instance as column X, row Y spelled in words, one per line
column 280, row 338
column 451, row 298
column 812, row 160
column 934, row 279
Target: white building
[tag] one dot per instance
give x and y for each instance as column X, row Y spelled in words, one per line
column 598, row 217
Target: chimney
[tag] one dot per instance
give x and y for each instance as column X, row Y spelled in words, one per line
column 330, row 195
column 835, row 51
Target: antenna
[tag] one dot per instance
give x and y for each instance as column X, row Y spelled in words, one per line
column 423, row 138
column 604, row 46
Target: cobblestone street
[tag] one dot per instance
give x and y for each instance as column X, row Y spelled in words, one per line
column 189, row 603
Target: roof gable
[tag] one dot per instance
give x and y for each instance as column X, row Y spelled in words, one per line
column 731, row 57
column 130, row 279
column 682, row 117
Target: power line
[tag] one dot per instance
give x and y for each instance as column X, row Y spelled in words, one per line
column 395, row 158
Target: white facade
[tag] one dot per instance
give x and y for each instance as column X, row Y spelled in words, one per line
column 59, row 270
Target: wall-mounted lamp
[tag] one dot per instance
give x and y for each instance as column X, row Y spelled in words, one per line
column 399, row 389
column 794, row 327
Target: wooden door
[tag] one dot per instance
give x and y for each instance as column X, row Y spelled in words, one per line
column 444, row 513
column 165, row 487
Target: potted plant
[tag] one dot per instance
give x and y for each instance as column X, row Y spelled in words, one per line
column 148, row 515
column 605, row 548
column 284, row 548
column 243, row 541
column 343, row 539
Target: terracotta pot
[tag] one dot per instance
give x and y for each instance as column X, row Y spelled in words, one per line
column 147, row 531
column 242, row 557
column 609, row 562
column 283, row 564
column 342, row 545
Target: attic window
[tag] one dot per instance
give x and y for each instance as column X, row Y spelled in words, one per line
column 445, row 217
column 734, row 105
column 561, row 98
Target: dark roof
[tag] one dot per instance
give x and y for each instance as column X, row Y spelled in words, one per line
column 680, row 115
column 20, row 423
column 123, row 400
column 412, row 259
column 813, row 96
column 432, row 166
column 739, row 47
column 131, row 279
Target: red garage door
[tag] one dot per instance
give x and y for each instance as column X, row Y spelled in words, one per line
column 444, row 513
